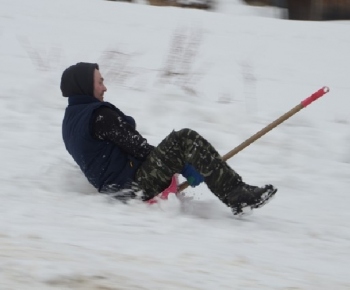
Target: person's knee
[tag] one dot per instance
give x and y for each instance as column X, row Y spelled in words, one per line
column 187, row 133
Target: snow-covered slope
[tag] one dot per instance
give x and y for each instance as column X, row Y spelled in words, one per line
column 226, row 74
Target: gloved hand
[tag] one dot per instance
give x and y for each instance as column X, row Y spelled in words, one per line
column 193, row 177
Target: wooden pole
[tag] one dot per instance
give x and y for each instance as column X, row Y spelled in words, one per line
column 269, row 127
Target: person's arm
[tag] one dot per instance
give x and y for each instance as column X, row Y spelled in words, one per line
column 107, row 124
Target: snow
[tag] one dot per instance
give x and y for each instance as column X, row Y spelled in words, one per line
column 233, row 71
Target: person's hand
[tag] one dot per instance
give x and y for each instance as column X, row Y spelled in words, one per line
column 193, row 177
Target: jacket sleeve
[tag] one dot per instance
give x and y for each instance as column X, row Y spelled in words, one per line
column 108, row 125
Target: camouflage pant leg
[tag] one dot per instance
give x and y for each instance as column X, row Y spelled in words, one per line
column 170, row 156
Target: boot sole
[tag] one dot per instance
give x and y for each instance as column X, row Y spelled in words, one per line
column 266, row 197
column 247, row 209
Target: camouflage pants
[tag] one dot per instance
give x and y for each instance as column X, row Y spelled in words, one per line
column 170, row 156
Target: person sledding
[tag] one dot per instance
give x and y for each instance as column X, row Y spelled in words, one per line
column 117, row 159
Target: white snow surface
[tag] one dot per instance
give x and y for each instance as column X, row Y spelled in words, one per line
column 232, row 72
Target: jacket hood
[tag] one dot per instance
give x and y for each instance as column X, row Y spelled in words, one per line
column 78, row 80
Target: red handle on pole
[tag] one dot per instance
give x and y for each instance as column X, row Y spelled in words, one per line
column 315, row 96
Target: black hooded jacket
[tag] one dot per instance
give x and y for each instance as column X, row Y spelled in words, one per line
column 106, row 123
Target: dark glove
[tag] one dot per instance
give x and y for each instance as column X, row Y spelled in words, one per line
column 193, row 177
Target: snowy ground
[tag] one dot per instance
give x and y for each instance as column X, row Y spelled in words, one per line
column 231, row 73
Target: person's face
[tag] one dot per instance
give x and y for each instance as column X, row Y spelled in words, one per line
column 99, row 87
